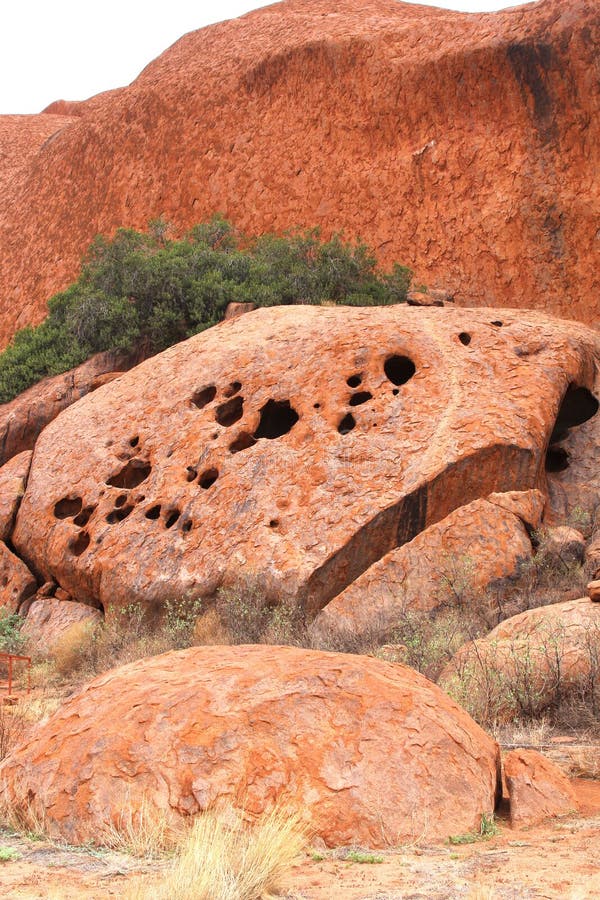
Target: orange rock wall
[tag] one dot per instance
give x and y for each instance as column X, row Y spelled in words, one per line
column 464, row 145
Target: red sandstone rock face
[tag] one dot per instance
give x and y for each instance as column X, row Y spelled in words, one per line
column 49, row 620
column 538, row 789
column 13, row 478
column 455, row 559
column 368, row 752
column 295, row 445
column 466, row 146
column 22, row 420
column 16, row 581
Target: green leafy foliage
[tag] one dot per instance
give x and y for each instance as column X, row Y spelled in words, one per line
column 148, row 291
column 11, row 640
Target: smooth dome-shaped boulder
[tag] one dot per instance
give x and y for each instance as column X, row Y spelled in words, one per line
column 369, row 752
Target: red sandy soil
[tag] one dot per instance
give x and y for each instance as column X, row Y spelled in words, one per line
column 558, row 860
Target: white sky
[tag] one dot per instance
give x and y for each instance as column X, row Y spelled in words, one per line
column 72, row 49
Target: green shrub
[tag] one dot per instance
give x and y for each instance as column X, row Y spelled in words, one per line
column 11, row 640
column 144, row 292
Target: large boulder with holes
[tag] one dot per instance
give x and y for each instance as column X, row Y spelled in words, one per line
column 297, row 446
column 530, row 661
column 368, row 752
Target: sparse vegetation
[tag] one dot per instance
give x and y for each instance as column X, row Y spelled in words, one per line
column 143, row 292
column 7, row 854
column 224, row 858
column 487, row 829
column 363, row 857
column 11, row 640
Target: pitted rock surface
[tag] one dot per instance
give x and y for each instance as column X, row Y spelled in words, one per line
column 368, row 752
column 16, row 581
column 295, row 444
column 456, row 559
column 378, row 118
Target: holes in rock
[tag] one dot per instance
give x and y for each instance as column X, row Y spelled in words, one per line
column 578, row 406
column 497, row 324
column 360, row 397
column 277, row 418
column 230, row 412
column 187, row 526
column 242, row 442
column 204, row 395
column 557, row 459
column 134, row 441
column 208, row 478
column 399, row 369
column 117, row 515
column 354, row 381
column 68, row 507
column 232, row 389
column 131, row 475
column 172, row 518
column 84, row 516
column 191, row 473
column 395, row 392
column 274, row 523
column 120, row 500
column 316, row 406
column 465, row 338
column 80, row 544
column 153, row 512
column 347, row 424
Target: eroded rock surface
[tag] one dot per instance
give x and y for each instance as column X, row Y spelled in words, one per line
column 49, row 620
column 378, row 118
column 13, row 478
column 368, row 752
column 16, row 581
column 537, row 788
column 451, row 562
column 297, row 445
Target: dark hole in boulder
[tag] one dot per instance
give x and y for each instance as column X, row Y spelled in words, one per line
column 131, row 475
column 84, row 516
column 68, row 507
column 557, row 459
column 208, row 478
column 120, row 500
column 191, row 473
column 242, row 442
column 277, row 417
column 274, row 523
column 204, row 395
column 117, row 515
column 154, row 512
column 187, row 526
column 80, row 544
column 230, row 412
column 354, row 381
column 399, row 369
column 134, row 441
column 464, row 338
column 347, row 424
column 232, row 389
column 360, row 397
column 172, row 518
column 497, row 324
column 577, row 407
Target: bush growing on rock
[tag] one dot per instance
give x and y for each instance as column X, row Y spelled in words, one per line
column 145, row 292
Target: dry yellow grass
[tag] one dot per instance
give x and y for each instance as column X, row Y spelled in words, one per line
column 148, row 832
column 222, row 858
column 71, row 646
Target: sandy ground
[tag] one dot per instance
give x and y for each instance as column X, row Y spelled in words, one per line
column 558, row 860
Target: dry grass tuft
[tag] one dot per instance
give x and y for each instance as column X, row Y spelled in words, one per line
column 147, row 832
column 223, row 858
column 71, row 647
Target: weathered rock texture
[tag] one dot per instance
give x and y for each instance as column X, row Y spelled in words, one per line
column 27, row 415
column 13, row 478
column 49, row 620
column 16, row 581
column 376, row 117
column 451, row 562
column 297, row 445
column 368, row 752
column 531, row 660
column 537, row 788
